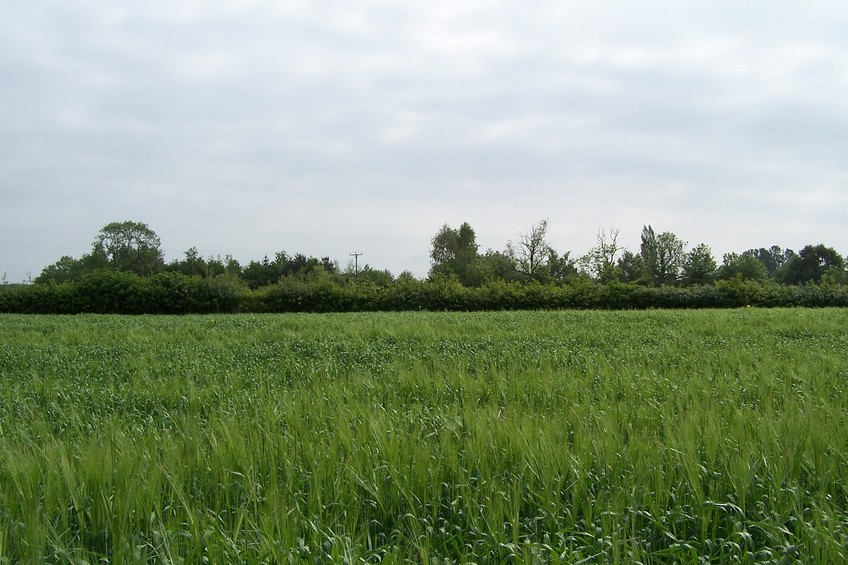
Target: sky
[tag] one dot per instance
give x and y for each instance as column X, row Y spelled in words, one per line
column 248, row 127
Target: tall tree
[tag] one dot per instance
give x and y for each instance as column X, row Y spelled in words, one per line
column 648, row 252
column 663, row 256
column 453, row 252
column 699, row 266
column 129, row 246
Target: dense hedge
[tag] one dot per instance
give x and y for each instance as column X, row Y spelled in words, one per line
column 112, row 292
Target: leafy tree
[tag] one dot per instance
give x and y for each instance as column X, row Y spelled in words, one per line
column 812, row 263
column 406, row 277
column 531, row 251
column 699, row 266
column 267, row 272
column 65, row 269
column 121, row 246
column 231, row 266
column 216, row 266
column 744, row 266
column 129, row 246
column 663, row 256
column 193, row 265
column 494, row 266
column 291, row 266
column 774, row 258
column 561, row 268
column 453, row 252
column 260, row 273
column 369, row 275
column 631, row 267
column 648, row 252
column 307, row 266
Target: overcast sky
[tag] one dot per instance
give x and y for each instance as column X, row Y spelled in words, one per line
column 325, row 127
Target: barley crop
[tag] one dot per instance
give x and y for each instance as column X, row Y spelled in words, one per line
column 514, row 437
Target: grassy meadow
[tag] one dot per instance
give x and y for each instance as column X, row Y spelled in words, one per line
column 515, row 437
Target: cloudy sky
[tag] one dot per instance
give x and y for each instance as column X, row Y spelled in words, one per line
column 247, row 127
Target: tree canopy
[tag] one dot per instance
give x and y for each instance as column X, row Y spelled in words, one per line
column 662, row 260
column 453, row 252
column 129, row 246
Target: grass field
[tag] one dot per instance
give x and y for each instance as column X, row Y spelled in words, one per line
column 529, row 437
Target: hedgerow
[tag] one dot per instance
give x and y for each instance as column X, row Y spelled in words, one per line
column 115, row 292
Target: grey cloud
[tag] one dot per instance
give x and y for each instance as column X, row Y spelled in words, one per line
column 251, row 127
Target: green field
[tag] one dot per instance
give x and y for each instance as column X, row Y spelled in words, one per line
column 525, row 437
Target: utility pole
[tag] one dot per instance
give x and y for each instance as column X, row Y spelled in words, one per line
column 355, row 256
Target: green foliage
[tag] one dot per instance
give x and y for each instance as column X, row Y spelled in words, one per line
column 495, row 266
column 369, row 275
column 51, row 298
column 600, row 261
column 124, row 274
column 221, row 294
column 64, row 270
column 193, row 265
column 663, row 256
column 129, row 246
column 813, row 263
column 561, row 268
column 531, row 252
column 631, row 266
column 265, row 273
column 174, row 293
column 120, row 246
column 521, row 437
column 115, row 292
column 745, row 266
column 699, row 266
column 453, row 253
column 68, row 269
column 774, row 258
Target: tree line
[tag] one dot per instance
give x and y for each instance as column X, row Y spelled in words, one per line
column 662, row 260
column 125, row 272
